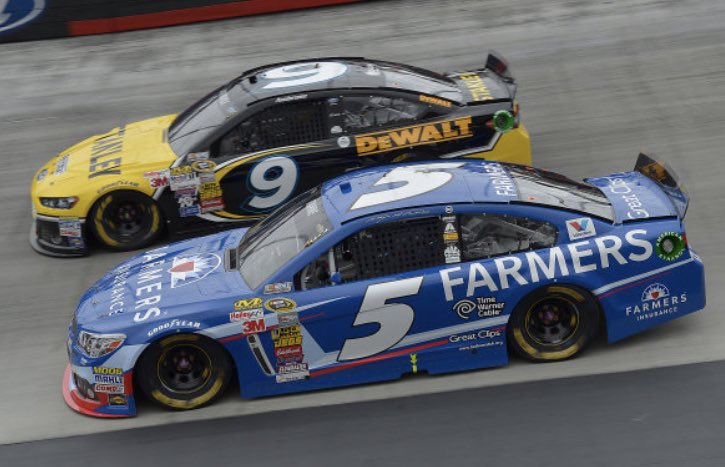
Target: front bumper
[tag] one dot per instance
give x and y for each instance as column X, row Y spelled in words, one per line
column 57, row 236
column 79, row 395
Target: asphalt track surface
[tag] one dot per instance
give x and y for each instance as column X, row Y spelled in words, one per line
column 660, row 417
column 598, row 81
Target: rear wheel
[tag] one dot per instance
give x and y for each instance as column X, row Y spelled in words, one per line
column 553, row 323
column 183, row 372
column 126, row 220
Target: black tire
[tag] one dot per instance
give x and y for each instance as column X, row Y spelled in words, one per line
column 126, row 220
column 553, row 323
column 183, row 372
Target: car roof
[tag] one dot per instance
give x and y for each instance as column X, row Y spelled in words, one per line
column 431, row 183
column 344, row 73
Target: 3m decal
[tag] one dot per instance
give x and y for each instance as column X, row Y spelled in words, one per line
column 584, row 256
column 476, row 86
column 582, row 227
column 105, row 155
column 157, row 178
column 253, row 326
column 656, row 301
column 389, row 140
column 408, row 181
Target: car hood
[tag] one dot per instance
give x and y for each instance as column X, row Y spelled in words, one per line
column 179, row 280
column 123, row 153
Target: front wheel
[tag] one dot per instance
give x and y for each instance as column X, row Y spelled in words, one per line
column 126, row 220
column 553, row 323
column 183, row 372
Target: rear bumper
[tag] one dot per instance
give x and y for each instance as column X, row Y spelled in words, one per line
column 57, row 236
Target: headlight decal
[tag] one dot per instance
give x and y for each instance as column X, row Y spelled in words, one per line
column 98, row 345
column 66, row 202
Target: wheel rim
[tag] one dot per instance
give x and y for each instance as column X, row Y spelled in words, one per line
column 126, row 219
column 184, row 368
column 552, row 321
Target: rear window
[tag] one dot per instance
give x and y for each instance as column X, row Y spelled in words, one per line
column 537, row 186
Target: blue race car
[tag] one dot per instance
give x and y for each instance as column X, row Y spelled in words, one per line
column 422, row 267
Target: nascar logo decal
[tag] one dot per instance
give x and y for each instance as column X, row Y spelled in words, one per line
column 189, row 269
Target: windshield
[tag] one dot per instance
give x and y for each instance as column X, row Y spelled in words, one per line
column 276, row 240
column 539, row 186
column 202, row 118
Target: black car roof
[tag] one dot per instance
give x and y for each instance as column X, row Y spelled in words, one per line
column 360, row 73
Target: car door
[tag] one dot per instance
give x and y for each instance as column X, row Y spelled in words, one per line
column 493, row 274
column 369, row 308
column 283, row 148
column 385, row 125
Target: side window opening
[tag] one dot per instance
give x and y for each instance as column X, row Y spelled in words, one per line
column 276, row 126
column 371, row 112
column 487, row 235
column 391, row 248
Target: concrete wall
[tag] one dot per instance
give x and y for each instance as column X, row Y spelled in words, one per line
column 22, row 20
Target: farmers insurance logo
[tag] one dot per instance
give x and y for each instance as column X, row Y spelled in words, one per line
column 580, row 228
column 656, row 301
column 189, row 269
column 15, row 13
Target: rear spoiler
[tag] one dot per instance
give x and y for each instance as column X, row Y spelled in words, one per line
column 666, row 179
column 496, row 63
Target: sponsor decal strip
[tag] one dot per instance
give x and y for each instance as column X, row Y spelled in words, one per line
column 655, row 272
column 331, row 357
column 377, row 358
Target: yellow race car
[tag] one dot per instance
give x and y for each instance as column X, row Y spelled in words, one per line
column 247, row 147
